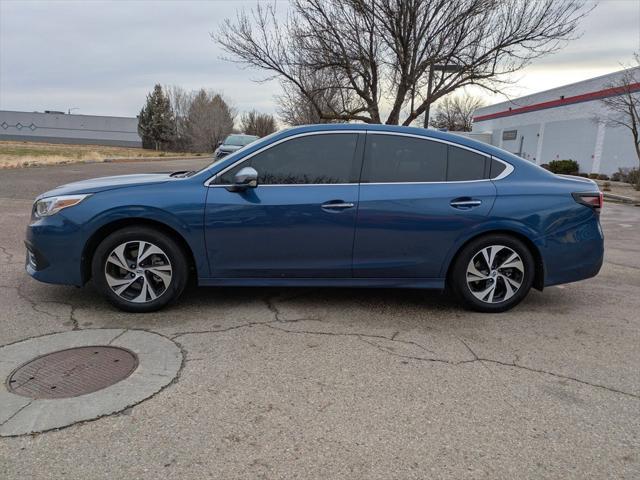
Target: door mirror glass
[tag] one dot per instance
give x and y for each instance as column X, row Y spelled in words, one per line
column 246, row 177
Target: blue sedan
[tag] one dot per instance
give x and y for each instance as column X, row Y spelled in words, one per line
column 325, row 205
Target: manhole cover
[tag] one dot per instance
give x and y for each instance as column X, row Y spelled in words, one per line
column 72, row 372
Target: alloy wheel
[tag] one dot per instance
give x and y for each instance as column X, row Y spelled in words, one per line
column 495, row 274
column 138, row 271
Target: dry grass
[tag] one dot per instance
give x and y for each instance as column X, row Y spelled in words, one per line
column 620, row 188
column 26, row 154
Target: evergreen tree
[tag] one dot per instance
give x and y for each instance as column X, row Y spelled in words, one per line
column 156, row 122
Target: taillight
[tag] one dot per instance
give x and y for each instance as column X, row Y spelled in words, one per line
column 590, row 199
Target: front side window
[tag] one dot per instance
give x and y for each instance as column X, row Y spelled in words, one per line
column 311, row 159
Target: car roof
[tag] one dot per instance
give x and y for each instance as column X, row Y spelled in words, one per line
column 422, row 132
column 523, row 165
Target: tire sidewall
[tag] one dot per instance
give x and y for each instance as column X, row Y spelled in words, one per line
column 179, row 268
column 458, row 280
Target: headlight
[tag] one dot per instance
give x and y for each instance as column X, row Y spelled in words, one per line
column 50, row 205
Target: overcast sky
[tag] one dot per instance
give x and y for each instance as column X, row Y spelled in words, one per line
column 103, row 57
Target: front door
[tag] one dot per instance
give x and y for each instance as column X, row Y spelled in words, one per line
column 298, row 222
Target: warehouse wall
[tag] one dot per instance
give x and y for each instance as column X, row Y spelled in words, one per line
column 74, row 129
column 568, row 131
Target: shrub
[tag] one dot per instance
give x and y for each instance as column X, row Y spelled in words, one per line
column 633, row 177
column 565, row 167
column 630, row 175
column 602, row 176
column 593, row 176
column 616, row 177
column 545, row 166
column 583, row 175
column 606, row 187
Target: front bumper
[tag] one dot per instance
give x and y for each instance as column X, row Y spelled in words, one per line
column 54, row 251
column 220, row 154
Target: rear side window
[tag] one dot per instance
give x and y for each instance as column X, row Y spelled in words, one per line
column 465, row 165
column 496, row 168
column 312, row 159
column 395, row 158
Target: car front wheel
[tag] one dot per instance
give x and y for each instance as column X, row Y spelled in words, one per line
column 139, row 269
column 493, row 273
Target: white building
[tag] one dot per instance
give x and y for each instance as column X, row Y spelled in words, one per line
column 561, row 124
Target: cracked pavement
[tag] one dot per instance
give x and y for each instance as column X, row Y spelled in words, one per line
column 348, row 383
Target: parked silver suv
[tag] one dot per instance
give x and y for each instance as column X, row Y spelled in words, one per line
column 232, row 143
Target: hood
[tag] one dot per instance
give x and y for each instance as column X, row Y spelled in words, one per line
column 230, row 148
column 101, row 184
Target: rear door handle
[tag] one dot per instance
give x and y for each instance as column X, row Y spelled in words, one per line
column 337, row 205
column 465, row 203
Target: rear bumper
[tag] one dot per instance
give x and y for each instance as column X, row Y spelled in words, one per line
column 572, row 254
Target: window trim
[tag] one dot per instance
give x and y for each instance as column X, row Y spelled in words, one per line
column 209, row 182
column 506, row 172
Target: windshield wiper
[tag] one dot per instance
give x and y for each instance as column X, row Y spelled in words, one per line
column 182, row 173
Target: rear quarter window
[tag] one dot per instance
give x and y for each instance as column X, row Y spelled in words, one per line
column 496, row 168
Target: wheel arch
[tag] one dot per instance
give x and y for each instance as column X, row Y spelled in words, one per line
column 107, row 229
column 539, row 273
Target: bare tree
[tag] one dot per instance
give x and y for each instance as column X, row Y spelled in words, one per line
column 393, row 54
column 455, row 112
column 180, row 101
column 295, row 108
column 623, row 108
column 260, row 124
column 209, row 120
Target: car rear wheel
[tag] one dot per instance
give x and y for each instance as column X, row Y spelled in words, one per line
column 139, row 269
column 493, row 273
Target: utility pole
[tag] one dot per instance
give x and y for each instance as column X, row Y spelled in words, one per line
column 432, row 71
column 429, row 88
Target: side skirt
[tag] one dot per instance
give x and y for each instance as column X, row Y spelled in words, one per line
column 426, row 283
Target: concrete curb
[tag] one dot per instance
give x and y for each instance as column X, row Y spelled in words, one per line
column 160, row 360
column 620, row 198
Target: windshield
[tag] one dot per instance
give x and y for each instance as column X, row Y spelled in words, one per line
column 240, row 140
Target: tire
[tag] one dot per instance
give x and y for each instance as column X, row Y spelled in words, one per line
column 149, row 281
column 510, row 276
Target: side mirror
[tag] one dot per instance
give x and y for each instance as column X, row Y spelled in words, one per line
column 246, row 177
column 218, row 144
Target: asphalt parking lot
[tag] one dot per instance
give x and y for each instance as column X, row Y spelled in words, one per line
column 347, row 383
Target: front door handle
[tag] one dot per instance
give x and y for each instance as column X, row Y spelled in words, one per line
column 337, row 205
column 465, row 203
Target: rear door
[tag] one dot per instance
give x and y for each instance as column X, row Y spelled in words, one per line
column 417, row 197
